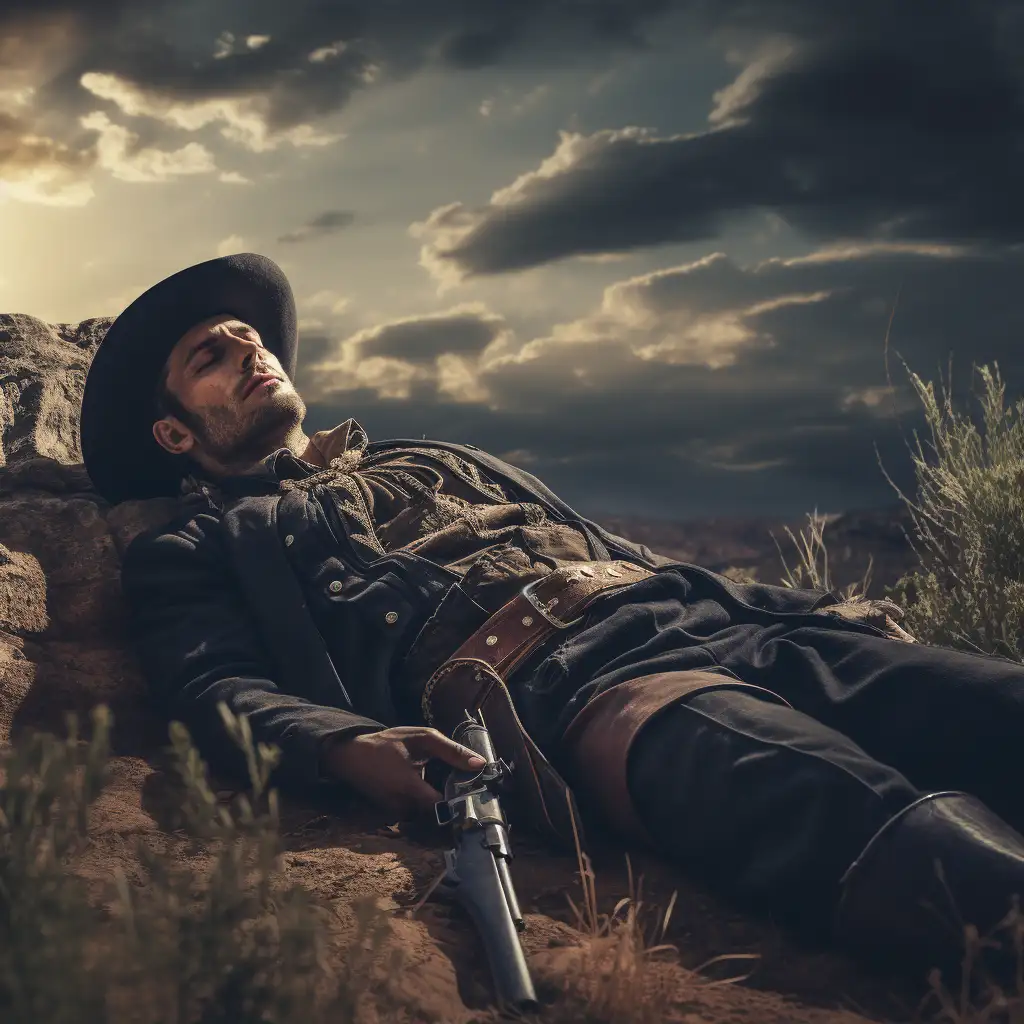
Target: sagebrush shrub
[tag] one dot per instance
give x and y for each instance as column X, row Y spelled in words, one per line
column 968, row 524
column 215, row 934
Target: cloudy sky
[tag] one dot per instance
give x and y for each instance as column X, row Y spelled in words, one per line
column 647, row 249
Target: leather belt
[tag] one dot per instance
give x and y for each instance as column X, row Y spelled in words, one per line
column 473, row 678
column 553, row 602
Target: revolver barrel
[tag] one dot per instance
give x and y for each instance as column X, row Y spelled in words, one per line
column 477, row 874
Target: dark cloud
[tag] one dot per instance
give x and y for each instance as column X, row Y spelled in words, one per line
column 713, row 387
column 21, row 151
column 314, row 346
column 709, row 387
column 37, row 168
column 866, row 120
column 287, row 64
column 879, row 120
column 17, row 16
column 327, row 223
column 423, row 339
column 629, row 465
column 435, row 356
column 541, row 31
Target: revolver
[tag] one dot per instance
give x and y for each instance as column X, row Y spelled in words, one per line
column 476, row 868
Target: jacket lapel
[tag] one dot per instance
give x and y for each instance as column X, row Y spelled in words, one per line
column 274, row 595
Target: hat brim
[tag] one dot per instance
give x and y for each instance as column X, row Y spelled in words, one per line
column 121, row 455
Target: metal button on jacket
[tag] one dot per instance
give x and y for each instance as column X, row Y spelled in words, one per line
column 335, row 587
column 289, row 541
column 391, row 618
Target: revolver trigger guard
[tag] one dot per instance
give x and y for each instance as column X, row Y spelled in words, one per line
column 443, row 813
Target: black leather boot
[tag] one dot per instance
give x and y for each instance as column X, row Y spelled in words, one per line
column 899, row 908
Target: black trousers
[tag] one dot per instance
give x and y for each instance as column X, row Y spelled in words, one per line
column 769, row 804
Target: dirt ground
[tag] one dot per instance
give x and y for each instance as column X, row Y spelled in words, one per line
column 62, row 649
column 345, row 852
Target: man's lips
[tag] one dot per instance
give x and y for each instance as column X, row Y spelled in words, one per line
column 256, row 381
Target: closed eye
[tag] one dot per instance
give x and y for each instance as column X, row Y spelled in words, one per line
column 215, row 354
column 212, row 345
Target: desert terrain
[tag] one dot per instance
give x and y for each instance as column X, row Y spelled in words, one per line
column 62, row 648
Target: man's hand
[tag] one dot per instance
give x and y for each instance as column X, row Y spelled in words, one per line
column 386, row 767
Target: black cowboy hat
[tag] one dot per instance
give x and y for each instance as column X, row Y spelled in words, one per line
column 121, row 455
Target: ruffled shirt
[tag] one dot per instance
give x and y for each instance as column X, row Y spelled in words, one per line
column 440, row 507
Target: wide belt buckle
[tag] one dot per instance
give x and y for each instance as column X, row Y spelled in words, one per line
column 542, row 609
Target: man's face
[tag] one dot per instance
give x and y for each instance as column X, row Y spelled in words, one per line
column 239, row 402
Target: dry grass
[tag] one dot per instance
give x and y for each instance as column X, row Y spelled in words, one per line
column 625, row 972
column 215, row 935
column 978, row 999
column 617, row 976
column 811, row 570
column 47, row 927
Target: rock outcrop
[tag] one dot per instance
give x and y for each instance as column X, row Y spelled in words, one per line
column 62, row 648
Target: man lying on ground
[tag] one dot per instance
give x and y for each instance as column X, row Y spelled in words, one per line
column 795, row 756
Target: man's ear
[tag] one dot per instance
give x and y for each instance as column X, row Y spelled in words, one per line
column 173, row 435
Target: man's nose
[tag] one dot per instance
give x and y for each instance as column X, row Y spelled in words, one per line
column 248, row 350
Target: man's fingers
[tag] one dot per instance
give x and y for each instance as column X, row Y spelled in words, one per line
column 422, row 794
column 406, row 794
column 431, row 743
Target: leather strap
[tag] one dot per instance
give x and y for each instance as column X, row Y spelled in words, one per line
column 474, row 679
column 519, row 627
column 600, row 738
column 548, row 802
column 598, row 741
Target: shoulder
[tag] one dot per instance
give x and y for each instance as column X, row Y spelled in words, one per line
column 192, row 534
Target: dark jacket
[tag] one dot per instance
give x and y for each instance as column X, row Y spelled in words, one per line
column 268, row 605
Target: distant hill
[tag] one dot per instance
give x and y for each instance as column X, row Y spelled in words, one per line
column 746, row 543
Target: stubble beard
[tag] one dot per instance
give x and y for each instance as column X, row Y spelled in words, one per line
column 239, row 438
